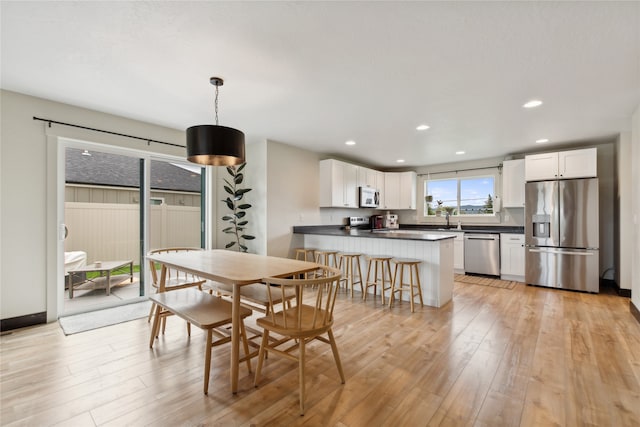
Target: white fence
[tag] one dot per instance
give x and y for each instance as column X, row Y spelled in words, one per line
column 108, row 231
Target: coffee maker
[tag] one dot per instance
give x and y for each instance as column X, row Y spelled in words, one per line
column 376, row 222
column 391, row 221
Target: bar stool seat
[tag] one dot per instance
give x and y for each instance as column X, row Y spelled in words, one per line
column 398, row 285
column 382, row 263
column 306, row 254
column 327, row 257
column 345, row 264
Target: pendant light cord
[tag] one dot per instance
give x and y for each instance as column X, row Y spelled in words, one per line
column 216, row 105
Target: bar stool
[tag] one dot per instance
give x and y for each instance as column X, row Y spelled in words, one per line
column 327, row 257
column 398, row 283
column 378, row 262
column 306, row 254
column 349, row 273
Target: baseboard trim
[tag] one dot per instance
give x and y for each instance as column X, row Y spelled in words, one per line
column 634, row 311
column 624, row 292
column 613, row 284
column 23, row 321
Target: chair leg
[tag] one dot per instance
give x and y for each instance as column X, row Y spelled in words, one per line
column 156, row 325
column 243, row 335
column 301, row 373
column 207, row 361
column 261, row 354
column 151, row 310
column 336, row 356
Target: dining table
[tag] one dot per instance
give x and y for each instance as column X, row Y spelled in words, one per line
column 236, row 269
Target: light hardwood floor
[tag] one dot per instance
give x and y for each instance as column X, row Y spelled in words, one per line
column 493, row 357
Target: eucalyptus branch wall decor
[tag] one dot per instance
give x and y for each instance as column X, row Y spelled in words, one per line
column 237, row 220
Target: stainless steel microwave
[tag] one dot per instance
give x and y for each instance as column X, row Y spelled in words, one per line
column 369, row 197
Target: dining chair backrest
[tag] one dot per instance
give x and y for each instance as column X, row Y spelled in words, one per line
column 311, row 310
column 174, row 278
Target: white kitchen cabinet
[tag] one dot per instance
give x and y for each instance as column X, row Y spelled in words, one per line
column 380, row 185
column 513, row 183
column 458, row 253
column 408, row 182
column 338, row 184
column 564, row 164
column 391, row 190
column 400, row 190
column 512, row 253
column 578, row 163
column 366, row 177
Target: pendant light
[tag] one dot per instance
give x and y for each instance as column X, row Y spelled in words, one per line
column 215, row 145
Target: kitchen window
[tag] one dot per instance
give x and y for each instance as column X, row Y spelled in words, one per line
column 459, row 196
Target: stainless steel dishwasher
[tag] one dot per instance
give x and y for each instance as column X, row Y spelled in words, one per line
column 482, row 253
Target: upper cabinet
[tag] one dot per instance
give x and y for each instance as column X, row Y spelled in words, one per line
column 338, row 184
column 399, row 190
column 513, row 183
column 565, row 164
column 367, row 177
column 578, row 163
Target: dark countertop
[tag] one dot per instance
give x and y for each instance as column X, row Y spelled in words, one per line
column 466, row 228
column 339, row 230
column 420, row 229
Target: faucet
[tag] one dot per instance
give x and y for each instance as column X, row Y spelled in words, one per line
column 446, row 215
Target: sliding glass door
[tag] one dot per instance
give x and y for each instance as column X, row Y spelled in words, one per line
column 118, row 205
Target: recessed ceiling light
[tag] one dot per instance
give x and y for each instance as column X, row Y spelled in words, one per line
column 422, row 127
column 533, row 103
column 400, row 161
column 542, row 141
column 350, row 142
column 459, row 152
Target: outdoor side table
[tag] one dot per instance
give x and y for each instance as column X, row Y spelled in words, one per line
column 105, row 269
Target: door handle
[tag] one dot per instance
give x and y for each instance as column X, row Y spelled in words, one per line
column 555, row 251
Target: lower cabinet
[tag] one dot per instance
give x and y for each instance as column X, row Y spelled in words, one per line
column 458, row 253
column 512, row 257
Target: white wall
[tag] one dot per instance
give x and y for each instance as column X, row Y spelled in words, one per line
column 634, row 226
column 292, row 189
column 26, row 237
column 624, row 243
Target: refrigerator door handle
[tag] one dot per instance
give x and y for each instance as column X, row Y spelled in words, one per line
column 556, row 251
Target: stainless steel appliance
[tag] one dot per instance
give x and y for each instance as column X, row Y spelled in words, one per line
column 561, row 234
column 358, row 222
column 369, row 197
column 482, row 253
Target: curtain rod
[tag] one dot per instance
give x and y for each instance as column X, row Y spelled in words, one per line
column 462, row 170
column 107, row 131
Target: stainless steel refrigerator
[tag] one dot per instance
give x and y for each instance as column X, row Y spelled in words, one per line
column 561, row 234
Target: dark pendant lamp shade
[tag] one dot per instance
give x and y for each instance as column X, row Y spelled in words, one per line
column 215, row 145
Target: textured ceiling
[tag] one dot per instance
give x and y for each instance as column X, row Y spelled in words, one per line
column 315, row 74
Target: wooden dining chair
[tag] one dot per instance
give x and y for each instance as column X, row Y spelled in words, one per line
column 175, row 279
column 309, row 317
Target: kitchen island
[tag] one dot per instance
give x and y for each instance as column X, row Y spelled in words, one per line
column 434, row 250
